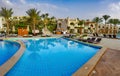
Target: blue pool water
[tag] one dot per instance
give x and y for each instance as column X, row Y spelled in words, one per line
column 7, row 49
column 52, row 57
column 118, row 35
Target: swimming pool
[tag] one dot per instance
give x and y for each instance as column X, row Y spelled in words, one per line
column 7, row 50
column 118, row 35
column 52, row 57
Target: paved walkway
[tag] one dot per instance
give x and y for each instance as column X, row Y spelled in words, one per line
column 11, row 62
column 110, row 43
column 109, row 64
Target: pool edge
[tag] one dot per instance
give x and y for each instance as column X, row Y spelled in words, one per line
column 87, row 68
column 12, row 61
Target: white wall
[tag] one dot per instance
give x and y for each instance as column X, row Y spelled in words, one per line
column 0, row 22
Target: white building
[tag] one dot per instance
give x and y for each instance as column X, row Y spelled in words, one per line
column 72, row 26
column 1, row 22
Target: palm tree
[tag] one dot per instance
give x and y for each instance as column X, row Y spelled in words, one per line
column 45, row 19
column 52, row 24
column 97, row 20
column 110, row 21
column 81, row 22
column 114, row 22
column 6, row 13
column 34, row 16
column 106, row 17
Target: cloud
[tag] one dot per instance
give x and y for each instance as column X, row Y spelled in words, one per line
column 6, row 3
column 114, row 9
column 21, row 6
column 115, row 6
column 110, row 8
column 23, row 1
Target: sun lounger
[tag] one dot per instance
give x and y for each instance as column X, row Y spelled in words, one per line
column 48, row 35
column 80, row 39
column 94, row 34
column 97, row 40
column 1, row 35
column 45, row 35
column 85, row 40
column 105, row 35
column 110, row 36
column 25, row 35
column 97, row 35
column 12, row 35
column 114, row 36
column 30, row 35
column 1, row 39
column 91, row 40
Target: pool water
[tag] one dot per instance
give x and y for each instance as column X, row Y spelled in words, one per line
column 52, row 57
column 118, row 35
column 7, row 50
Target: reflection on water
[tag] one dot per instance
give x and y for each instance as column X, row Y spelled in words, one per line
column 45, row 44
column 37, row 45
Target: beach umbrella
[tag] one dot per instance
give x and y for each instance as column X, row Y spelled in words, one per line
column 13, row 29
column 28, row 28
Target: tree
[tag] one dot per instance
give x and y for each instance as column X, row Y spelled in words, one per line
column 81, row 22
column 97, row 20
column 34, row 16
column 110, row 21
column 106, row 17
column 52, row 24
column 114, row 21
column 45, row 19
column 6, row 13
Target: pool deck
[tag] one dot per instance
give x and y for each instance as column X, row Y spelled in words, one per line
column 86, row 69
column 110, row 43
column 109, row 64
column 11, row 62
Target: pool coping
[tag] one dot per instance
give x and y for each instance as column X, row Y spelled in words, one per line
column 12, row 61
column 85, row 70
column 32, row 38
column 88, row 67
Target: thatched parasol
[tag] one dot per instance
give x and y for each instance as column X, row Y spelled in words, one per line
column 28, row 29
column 13, row 29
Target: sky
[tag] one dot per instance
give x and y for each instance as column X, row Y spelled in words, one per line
column 82, row 9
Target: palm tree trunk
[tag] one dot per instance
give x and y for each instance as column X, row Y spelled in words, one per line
column 34, row 26
column 34, row 29
column 7, row 23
